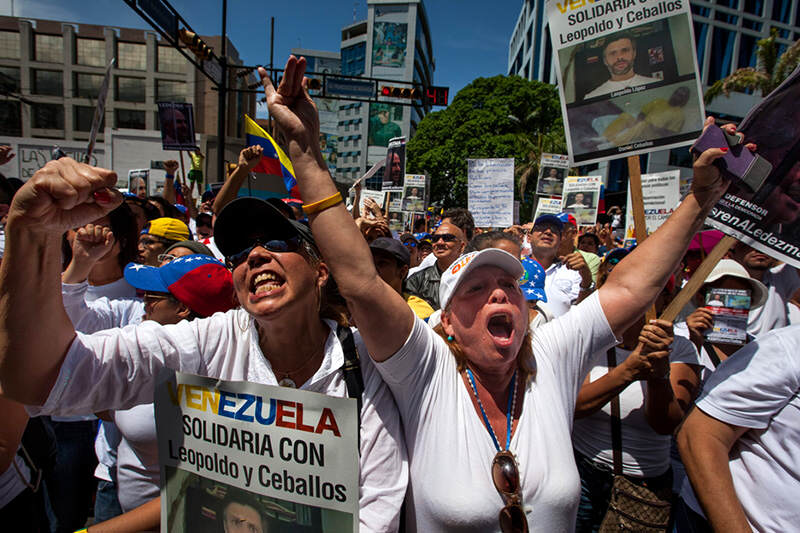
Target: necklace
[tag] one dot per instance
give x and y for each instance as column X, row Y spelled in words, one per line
column 512, row 406
column 284, row 378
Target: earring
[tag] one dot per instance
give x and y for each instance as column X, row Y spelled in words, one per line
column 449, row 338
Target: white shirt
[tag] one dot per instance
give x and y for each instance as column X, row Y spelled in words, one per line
column 782, row 281
column 114, row 290
column 450, row 450
column 562, row 286
column 645, row 453
column 429, row 260
column 757, row 388
column 614, row 86
column 137, row 456
column 116, row 369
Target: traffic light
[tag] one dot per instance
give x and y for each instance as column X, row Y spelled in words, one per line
column 195, row 44
column 401, row 92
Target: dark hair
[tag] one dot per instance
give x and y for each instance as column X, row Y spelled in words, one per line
column 168, row 209
column 462, row 219
column 125, row 230
column 244, row 498
column 618, row 37
column 488, row 239
column 151, row 212
column 592, row 236
column 203, row 219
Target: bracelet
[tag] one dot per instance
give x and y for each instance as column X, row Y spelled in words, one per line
column 169, row 176
column 316, row 207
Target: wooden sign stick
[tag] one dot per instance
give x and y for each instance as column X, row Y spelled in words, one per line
column 637, row 206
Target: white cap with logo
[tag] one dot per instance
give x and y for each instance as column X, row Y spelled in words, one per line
column 457, row 272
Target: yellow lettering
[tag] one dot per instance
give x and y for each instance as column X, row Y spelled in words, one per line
column 193, row 397
column 210, row 399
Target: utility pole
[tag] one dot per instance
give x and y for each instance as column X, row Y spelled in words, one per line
column 223, row 96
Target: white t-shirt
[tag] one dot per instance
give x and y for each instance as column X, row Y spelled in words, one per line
column 137, row 456
column 562, row 286
column 613, row 86
column 113, row 291
column 117, row 368
column 450, row 450
column 757, row 388
column 782, row 282
column 645, row 453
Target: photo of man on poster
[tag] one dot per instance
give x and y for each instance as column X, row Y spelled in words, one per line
column 619, row 55
column 381, row 126
column 177, row 126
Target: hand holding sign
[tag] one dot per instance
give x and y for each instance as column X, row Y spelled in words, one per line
column 707, row 181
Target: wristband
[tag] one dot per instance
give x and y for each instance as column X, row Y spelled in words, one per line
column 316, row 207
column 169, row 177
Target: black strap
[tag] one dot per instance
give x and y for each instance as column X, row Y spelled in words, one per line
column 712, row 353
column 351, row 371
column 616, row 424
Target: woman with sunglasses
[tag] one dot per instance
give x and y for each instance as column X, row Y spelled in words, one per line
column 281, row 335
column 487, row 406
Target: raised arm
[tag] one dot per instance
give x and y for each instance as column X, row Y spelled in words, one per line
column 35, row 331
column 634, row 284
column 372, row 302
column 248, row 160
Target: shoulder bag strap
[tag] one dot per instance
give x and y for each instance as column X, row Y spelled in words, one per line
column 712, row 353
column 616, row 425
column 351, row 371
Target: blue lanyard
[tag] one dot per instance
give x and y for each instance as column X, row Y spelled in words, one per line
column 509, row 414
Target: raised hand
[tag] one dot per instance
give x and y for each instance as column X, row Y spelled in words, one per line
column 6, row 154
column 701, row 320
column 250, row 157
column 92, row 242
column 171, row 166
column 707, row 182
column 656, row 339
column 64, row 194
column 575, row 261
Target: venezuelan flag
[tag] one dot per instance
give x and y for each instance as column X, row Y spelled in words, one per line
column 273, row 161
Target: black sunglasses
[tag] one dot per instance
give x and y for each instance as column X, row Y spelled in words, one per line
column 292, row 244
column 410, row 244
column 446, row 237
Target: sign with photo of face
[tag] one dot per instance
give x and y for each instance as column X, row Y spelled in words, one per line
column 176, row 120
column 581, row 198
column 414, row 193
column 553, row 168
column 394, row 170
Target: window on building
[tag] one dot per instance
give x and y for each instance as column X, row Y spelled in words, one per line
column 48, row 116
column 781, row 10
column 128, row 118
column 170, row 91
column 48, row 82
column 747, row 51
column 87, row 85
column 680, row 157
column 10, row 119
column 353, row 59
column 131, row 56
column 49, row 48
column 721, row 54
column 9, row 45
column 130, row 89
column 83, row 117
column 9, row 79
column 726, row 17
column 701, row 35
column 754, row 7
column 751, row 24
column 734, row 4
column 170, row 60
column 700, row 10
column 90, row 52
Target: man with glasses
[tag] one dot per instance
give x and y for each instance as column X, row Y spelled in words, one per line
column 412, row 245
column 158, row 235
column 448, row 242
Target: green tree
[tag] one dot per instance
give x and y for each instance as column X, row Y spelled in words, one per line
column 503, row 116
column 770, row 71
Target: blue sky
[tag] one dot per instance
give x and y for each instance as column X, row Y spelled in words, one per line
column 470, row 37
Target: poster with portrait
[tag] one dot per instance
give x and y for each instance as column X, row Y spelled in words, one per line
column 139, row 182
column 394, row 170
column 176, row 120
column 547, row 206
column 628, row 76
column 389, row 44
column 385, row 123
column 769, row 219
column 553, row 168
column 257, row 456
column 414, row 193
column 581, row 197
column 661, row 195
column 490, row 192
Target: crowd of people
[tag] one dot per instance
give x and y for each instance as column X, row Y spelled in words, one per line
column 509, row 379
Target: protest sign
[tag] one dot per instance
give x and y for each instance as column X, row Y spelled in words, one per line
column 553, row 169
column 139, row 182
column 176, row 120
column 395, row 167
column 547, row 206
column 414, row 193
column 581, row 197
column 99, row 111
column 376, row 196
column 730, row 308
column 628, row 76
column 661, row 195
column 767, row 219
column 490, row 191
column 289, row 455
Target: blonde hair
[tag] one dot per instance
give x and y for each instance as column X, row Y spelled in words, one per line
column 526, row 362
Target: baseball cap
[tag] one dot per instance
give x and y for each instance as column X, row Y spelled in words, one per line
column 392, row 246
column 247, row 218
column 532, row 281
column 729, row 267
column 567, row 218
column 201, row 283
column 422, row 237
column 195, row 246
column 549, row 219
column 457, row 272
column 181, row 208
column 168, row 228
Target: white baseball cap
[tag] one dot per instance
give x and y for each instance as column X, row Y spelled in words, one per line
column 729, row 267
column 457, row 272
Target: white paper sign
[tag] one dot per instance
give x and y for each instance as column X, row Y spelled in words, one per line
column 547, row 206
column 660, row 195
column 581, row 197
column 553, row 168
column 291, row 455
column 490, row 191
